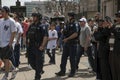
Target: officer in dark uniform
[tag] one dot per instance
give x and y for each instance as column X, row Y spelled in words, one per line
column 115, row 56
column 102, row 35
column 36, row 41
column 70, row 40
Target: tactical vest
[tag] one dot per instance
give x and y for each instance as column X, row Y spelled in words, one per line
column 69, row 30
column 35, row 34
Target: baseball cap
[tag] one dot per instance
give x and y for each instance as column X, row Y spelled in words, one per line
column 6, row 9
column 82, row 20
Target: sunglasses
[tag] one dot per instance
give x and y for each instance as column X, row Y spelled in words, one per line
column 118, row 16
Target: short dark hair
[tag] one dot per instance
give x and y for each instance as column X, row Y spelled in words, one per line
column 37, row 15
column 6, row 9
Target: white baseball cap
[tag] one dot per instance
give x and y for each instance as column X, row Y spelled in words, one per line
column 82, row 20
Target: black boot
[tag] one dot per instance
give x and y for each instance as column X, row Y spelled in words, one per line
column 60, row 73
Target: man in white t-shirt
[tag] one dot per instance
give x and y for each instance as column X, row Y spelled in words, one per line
column 17, row 42
column 7, row 33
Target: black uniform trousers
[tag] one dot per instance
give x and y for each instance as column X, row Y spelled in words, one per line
column 69, row 50
column 115, row 60
column 36, row 60
column 103, row 61
column 115, row 66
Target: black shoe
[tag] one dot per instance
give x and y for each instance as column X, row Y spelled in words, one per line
column 60, row 73
column 36, row 79
column 42, row 72
column 52, row 62
column 71, row 75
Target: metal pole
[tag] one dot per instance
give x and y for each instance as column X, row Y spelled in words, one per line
column 118, row 1
column 99, row 5
column 0, row 3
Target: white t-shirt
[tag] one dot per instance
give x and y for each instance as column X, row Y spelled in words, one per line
column 19, row 30
column 6, row 28
column 52, row 43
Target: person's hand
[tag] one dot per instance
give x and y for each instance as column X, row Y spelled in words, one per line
column 49, row 39
column 65, row 40
column 10, row 45
column 110, row 25
column 41, row 48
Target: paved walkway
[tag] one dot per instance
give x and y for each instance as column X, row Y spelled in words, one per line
column 27, row 74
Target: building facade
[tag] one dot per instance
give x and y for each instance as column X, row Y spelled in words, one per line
column 88, row 8
column 109, row 8
column 34, row 6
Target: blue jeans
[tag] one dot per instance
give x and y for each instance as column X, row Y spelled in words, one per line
column 89, row 54
column 17, row 55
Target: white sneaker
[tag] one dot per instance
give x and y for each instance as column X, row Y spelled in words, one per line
column 29, row 67
column 4, row 77
column 14, row 73
column 17, row 69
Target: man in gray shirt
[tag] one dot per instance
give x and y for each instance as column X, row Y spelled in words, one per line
column 85, row 44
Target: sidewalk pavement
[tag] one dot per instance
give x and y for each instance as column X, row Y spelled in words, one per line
column 25, row 73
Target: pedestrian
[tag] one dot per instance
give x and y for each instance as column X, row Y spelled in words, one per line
column 93, row 27
column 7, row 33
column 17, row 42
column 52, row 43
column 98, row 23
column 115, row 55
column 36, row 42
column 70, row 40
column 102, row 35
column 85, row 43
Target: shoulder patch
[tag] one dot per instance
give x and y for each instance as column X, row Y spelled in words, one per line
column 44, row 27
column 76, row 24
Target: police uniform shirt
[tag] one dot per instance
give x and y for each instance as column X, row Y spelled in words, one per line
column 36, row 33
column 6, row 28
column 71, row 28
column 52, row 43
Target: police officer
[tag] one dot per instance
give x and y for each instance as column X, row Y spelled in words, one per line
column 102, row 35
column 70, row 34
column 36, row 41
column 115, row 56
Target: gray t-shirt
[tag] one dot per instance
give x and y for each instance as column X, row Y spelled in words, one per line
column 85, row 31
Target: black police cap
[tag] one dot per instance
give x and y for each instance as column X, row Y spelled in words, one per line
column 37, row 15
column 72, row 14
column 6, row 9
column 108, row 19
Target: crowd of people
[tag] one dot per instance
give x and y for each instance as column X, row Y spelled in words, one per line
column 91, row 37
